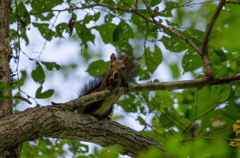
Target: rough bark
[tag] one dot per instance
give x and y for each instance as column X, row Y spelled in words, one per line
column 59, row 121
column 5, row 49
column 5, row 73
column 55, row 122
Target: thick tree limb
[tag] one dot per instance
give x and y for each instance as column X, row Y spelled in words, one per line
column 54, row 122
column 204, row 47
column 59, row 121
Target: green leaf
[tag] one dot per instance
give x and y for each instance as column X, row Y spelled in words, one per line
column 175, row 70
column 173, row 43
column 43, row 17
column 13, row 17
column 141, row 120
column 23, row 78
column 226, row 36
column 153, row 152
column 191, row 61
column 155, row 2
column 41, row 5
column 153, row 59
column 124, row 47
column 144, row 75
column 128, row 103
column 140, row 22
column 38, row 74
column 60, row 28
column 23, row 14
column 74, row 16
column 216, row 94
column 109, row 2
column 171, row 4
column 106, row 30
column 233, row 65
column 13, row 34
column 108, row 18
column 166, row 13
column 194, row 35
column 98, row 68
column 230, row 111
column 45, row 31
column 153, row 31
column 94, row 17
column 126, row 3
column 45, row 94
column 84, row 33
column 122, row 33
column 161, row 100
column 51, row 65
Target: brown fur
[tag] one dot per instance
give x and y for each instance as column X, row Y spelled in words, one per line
column 119, row 72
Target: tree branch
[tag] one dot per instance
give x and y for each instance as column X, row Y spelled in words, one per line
column 209, row 138
column 134, row 12
column 152, row 86
column 59, row 121
column 230, row 2
column 54, row 122
column 204, row 47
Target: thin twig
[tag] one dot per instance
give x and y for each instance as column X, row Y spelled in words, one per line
column 19, row 46
column 187, row 4
column 126, row 4
column 209, row 138
column 48, row 35
column 204, row 48
column 23, row 99
column 229, row 2
column 135, row 12
column 196, row 107
column 136, row 5
column 188, row 41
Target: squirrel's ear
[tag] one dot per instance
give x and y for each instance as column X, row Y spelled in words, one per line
column 126, row 60
column 112, row 57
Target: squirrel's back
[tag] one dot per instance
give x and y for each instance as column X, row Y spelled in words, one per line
column 92, row 85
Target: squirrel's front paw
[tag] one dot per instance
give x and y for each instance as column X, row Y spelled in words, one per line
column 108, row 118
column 110, row 88
column 125, row 84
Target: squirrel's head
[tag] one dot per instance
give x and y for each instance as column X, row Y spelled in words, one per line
column 117, row 69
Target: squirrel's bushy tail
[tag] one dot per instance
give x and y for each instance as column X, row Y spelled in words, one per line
column 91, row 85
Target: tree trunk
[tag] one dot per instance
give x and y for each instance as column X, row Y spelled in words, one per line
column 6, row 106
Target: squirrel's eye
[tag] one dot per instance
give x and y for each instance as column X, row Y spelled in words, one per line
column 123, row 68
column 111, row 65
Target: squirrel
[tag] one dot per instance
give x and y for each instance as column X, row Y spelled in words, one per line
column 119, row 74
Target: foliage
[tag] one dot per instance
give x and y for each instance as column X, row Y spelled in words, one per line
column 124, row 28
column 236, row 128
